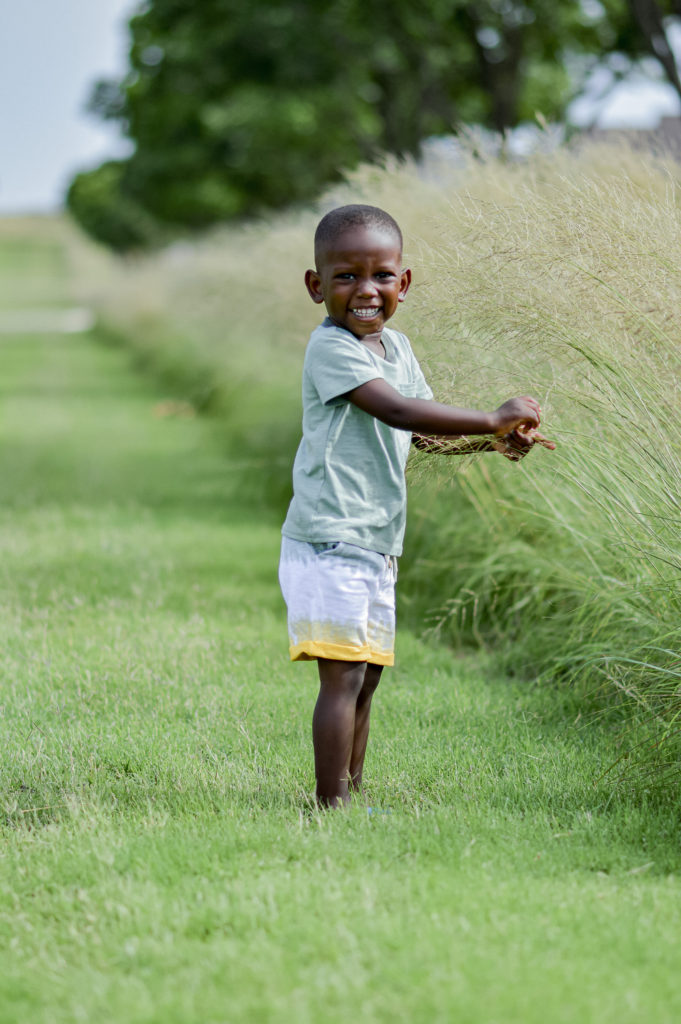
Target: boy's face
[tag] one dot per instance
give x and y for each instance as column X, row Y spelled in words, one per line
column 359, row 278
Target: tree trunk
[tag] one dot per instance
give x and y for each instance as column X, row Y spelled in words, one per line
column 648, row 17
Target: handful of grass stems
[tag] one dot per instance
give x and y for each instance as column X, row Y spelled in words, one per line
column 557, row 276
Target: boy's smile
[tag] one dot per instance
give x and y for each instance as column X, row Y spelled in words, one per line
column 359, row 277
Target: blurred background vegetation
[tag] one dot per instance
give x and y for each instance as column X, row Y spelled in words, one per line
column 235, row 108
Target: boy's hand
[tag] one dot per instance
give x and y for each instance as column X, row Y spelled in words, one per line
column 517, row 443
column 517, row 414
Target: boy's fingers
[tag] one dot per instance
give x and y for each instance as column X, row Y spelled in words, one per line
column 544, row 442
column 527, row 438
column 524, row 436
column 533, row 403
column 539, row 439
column 510, row 447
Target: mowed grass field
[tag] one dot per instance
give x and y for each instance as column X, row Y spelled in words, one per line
column 161, row 858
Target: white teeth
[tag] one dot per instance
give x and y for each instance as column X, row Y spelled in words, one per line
column 366, row 313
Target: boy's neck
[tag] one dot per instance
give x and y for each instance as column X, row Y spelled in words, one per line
column 375, row 343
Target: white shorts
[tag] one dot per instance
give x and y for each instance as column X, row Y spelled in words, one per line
column 340, row 600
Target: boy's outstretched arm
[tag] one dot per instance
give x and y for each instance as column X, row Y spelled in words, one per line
column 423, row 416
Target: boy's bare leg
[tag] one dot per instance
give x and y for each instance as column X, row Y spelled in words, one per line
column 333, row 727
column 372, row 677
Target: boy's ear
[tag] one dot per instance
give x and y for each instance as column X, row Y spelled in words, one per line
column 405, row 281
column 313, row 283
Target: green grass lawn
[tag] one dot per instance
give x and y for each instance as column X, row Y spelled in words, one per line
column 161, row 859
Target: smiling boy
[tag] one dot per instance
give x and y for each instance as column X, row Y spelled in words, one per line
column 364, row 400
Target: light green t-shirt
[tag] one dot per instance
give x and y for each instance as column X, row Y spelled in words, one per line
column 348, row 475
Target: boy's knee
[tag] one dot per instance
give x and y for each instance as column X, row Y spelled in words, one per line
column 342, row 676
column 372, row 678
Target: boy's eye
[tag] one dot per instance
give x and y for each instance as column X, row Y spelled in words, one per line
column 384, row 273
column 345, row 277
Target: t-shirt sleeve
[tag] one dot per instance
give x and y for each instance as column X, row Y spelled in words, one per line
column 421, row 386
column 336, row 363
column 423, row 389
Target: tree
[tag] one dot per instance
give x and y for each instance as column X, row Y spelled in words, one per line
column 235, row 107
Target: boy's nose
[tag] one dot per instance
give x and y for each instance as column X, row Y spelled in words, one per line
column 367, row 287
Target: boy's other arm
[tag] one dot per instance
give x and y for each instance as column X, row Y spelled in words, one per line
column 513, row 446
column 422, row 416
column 451, row 445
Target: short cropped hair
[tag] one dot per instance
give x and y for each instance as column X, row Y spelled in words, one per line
column 335, row 222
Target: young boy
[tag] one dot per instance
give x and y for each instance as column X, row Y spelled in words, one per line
column 365, row 400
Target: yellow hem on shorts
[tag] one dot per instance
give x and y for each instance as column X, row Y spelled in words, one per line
column 338, row 652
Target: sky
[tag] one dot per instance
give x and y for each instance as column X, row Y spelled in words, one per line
column 52, row 51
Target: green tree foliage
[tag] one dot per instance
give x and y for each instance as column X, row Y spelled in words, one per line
column 103, row 207
column 234, row 106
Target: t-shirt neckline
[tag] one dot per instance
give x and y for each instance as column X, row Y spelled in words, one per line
column 385, row 338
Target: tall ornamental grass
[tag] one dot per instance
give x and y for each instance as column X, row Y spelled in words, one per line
column 556, row 276
column 560, row 278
